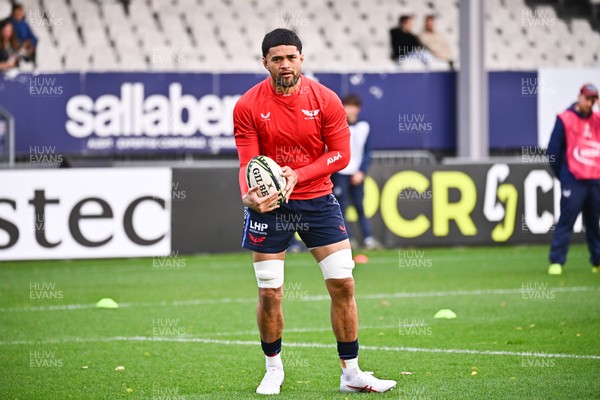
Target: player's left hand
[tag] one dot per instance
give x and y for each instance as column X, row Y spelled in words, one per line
column 357, row 178
column 292, row 179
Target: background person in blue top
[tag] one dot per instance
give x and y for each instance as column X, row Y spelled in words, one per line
column 349, row 182
column 26, row 37
column 574, row 155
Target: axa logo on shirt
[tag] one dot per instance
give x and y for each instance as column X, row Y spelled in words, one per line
column 311, row 114
column 333, row 159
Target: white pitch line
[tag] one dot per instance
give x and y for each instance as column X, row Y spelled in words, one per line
column 397, row 295
column 477, row 292
column 309, row 330
column 300, row 345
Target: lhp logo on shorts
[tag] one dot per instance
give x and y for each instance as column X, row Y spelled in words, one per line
column 257, row 226
column 257, row 232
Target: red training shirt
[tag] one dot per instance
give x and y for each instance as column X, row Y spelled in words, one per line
column 305, row 130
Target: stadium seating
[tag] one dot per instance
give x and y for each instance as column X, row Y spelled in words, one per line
column 224, row 35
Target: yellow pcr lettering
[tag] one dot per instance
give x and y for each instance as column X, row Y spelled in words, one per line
column 460, row 211
column 389, row 204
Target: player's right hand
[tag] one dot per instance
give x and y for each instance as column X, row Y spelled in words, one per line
column 260, row 204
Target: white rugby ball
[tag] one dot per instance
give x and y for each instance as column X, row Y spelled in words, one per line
column 265, row 173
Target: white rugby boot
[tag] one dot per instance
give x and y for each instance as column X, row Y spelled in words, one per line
column 271, row 383
column 365, row 382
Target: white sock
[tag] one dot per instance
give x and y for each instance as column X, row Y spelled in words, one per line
column 274, row 362
column 349, row 368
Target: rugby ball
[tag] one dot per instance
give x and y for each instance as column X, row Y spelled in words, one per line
column 265, row 173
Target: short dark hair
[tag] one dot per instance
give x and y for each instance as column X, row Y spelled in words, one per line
column 404, row 18
column 16, row 6
column 352, row 99
column 280, row 37
column 429, row 16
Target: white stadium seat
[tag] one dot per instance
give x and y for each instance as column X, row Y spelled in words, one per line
column 67, row 39
column 77, row 59
column 48, row 58
column 103, row 60
column 210, row 31
column 132, row 59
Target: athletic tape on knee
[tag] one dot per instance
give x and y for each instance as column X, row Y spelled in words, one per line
column 269, row 274
column 338, row 265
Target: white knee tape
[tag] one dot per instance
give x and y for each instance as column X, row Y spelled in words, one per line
column 338, row 265
column 269, row 274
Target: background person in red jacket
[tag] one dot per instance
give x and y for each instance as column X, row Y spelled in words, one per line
column 574, row 153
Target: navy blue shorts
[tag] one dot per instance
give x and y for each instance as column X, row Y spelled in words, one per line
column 319, row 222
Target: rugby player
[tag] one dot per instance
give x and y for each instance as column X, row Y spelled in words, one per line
column 289, row 117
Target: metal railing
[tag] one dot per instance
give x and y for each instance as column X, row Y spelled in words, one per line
column 10, row 120
column 403, row 157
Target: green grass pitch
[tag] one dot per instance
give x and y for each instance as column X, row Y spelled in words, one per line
column 186, row 327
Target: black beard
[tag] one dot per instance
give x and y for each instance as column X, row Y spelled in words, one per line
column 285, row 83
